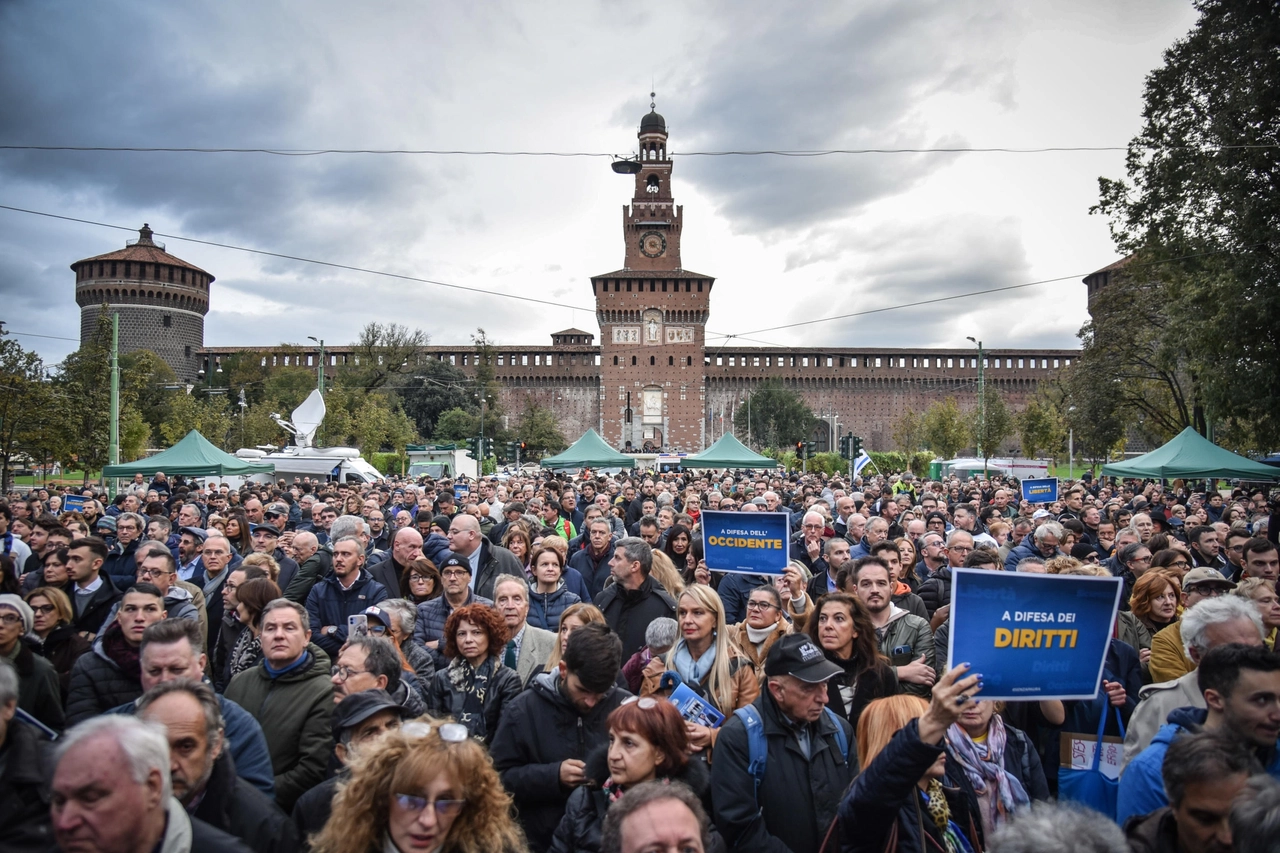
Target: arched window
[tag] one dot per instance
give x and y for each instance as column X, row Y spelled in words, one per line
column 652, row 184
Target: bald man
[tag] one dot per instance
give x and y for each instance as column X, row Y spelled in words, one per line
column 486, row 559
column 314, row 563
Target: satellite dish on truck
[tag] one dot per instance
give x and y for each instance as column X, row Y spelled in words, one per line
column 306, row 419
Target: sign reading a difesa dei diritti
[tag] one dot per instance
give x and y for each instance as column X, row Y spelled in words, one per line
column 751, row 542
column 1032, row 636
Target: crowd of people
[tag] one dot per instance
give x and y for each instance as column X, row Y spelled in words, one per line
column 545, row 662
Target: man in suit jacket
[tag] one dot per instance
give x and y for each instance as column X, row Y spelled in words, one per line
column 529, row 647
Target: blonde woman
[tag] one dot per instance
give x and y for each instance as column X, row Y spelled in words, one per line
column 706, row 660
column 266, row 562
column 1262, row 593
column 573, row 618
column 424, row 786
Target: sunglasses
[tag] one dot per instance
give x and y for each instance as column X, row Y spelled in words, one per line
column 646, row 703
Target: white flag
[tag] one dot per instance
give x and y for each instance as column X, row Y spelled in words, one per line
column 861, row 462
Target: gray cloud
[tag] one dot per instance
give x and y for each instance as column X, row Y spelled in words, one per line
column 806, row 78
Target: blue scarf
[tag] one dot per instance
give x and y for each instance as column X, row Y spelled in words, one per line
column 693, row 671
column 274, row 673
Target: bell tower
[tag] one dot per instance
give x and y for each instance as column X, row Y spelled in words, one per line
column 652, row 316
column 651, row 224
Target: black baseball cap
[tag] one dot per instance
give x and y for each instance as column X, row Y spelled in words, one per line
column 797, row 655
column 358, row 707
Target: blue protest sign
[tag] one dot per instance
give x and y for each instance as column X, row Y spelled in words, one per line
column 748, row 542
column 74, row 503
column 1032, row 636
column 460, row 491
column 1043, row 491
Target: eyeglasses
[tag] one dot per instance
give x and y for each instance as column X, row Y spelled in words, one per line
column 449, row 732
column 1207, row 591
column 1179, row 564
column 415, row 577
column 646, row 703
column 10, row 618
column 444, row 808
column 43, row 608
column 342, row 673
column 152, row 573
column 760, row 605
column 448, row 574
column 376, row 629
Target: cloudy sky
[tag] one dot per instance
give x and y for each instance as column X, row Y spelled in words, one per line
column 789, row 239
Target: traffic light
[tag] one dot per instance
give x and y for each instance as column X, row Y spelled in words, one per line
column 846, row 443
column 511, row 450
column 799, row 449
column 855, row 447
column 809, row 447
column 473, row 446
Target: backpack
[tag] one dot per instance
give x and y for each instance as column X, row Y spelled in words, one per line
column 758, row 744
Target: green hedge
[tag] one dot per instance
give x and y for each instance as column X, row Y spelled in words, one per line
column 387, row 463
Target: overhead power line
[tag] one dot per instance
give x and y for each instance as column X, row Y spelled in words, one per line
column 770, row 152
column 728, row 338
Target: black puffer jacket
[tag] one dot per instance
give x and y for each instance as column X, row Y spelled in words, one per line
column 580, row 828
column 936, row 591
column 885, row 797
column 539, row 729
column 98, row 683
column 237, row 808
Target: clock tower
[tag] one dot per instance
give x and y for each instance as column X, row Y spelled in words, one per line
column 652, row 316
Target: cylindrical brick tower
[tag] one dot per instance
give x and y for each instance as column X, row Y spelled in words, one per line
column 161, row 301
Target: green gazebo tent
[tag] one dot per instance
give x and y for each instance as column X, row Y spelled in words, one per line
column 194, row 456
column 1189, row 455
column 590, row 451
column 728, row 452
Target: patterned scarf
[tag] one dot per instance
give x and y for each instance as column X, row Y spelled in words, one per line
column 985, row 769
column 935, row 801
column 472, row 684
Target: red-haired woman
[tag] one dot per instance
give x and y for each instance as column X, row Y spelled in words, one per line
column 475, row 686
column 909, row 796
column 647, row 740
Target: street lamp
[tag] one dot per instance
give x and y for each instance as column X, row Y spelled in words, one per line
column 982, row 405
column 319, row 364
column 1071, row 445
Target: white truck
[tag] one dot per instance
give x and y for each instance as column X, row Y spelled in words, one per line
column 343, row 464
column 440, row 461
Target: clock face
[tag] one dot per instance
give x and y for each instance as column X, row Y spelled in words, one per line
column 652, row 244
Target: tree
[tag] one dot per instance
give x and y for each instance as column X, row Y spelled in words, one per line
column 83, row 388
column 779, row 417
column 206, row 413
column 457, row 425
column 1097, row 420
column 1199, row 210
column 383, row 352
column 991, row 423
column 436, row 387
column 945, row 428
column 1133, row 356
column 539, row 431
column 908, row 432
column 24, row 396
column 1040, row 428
